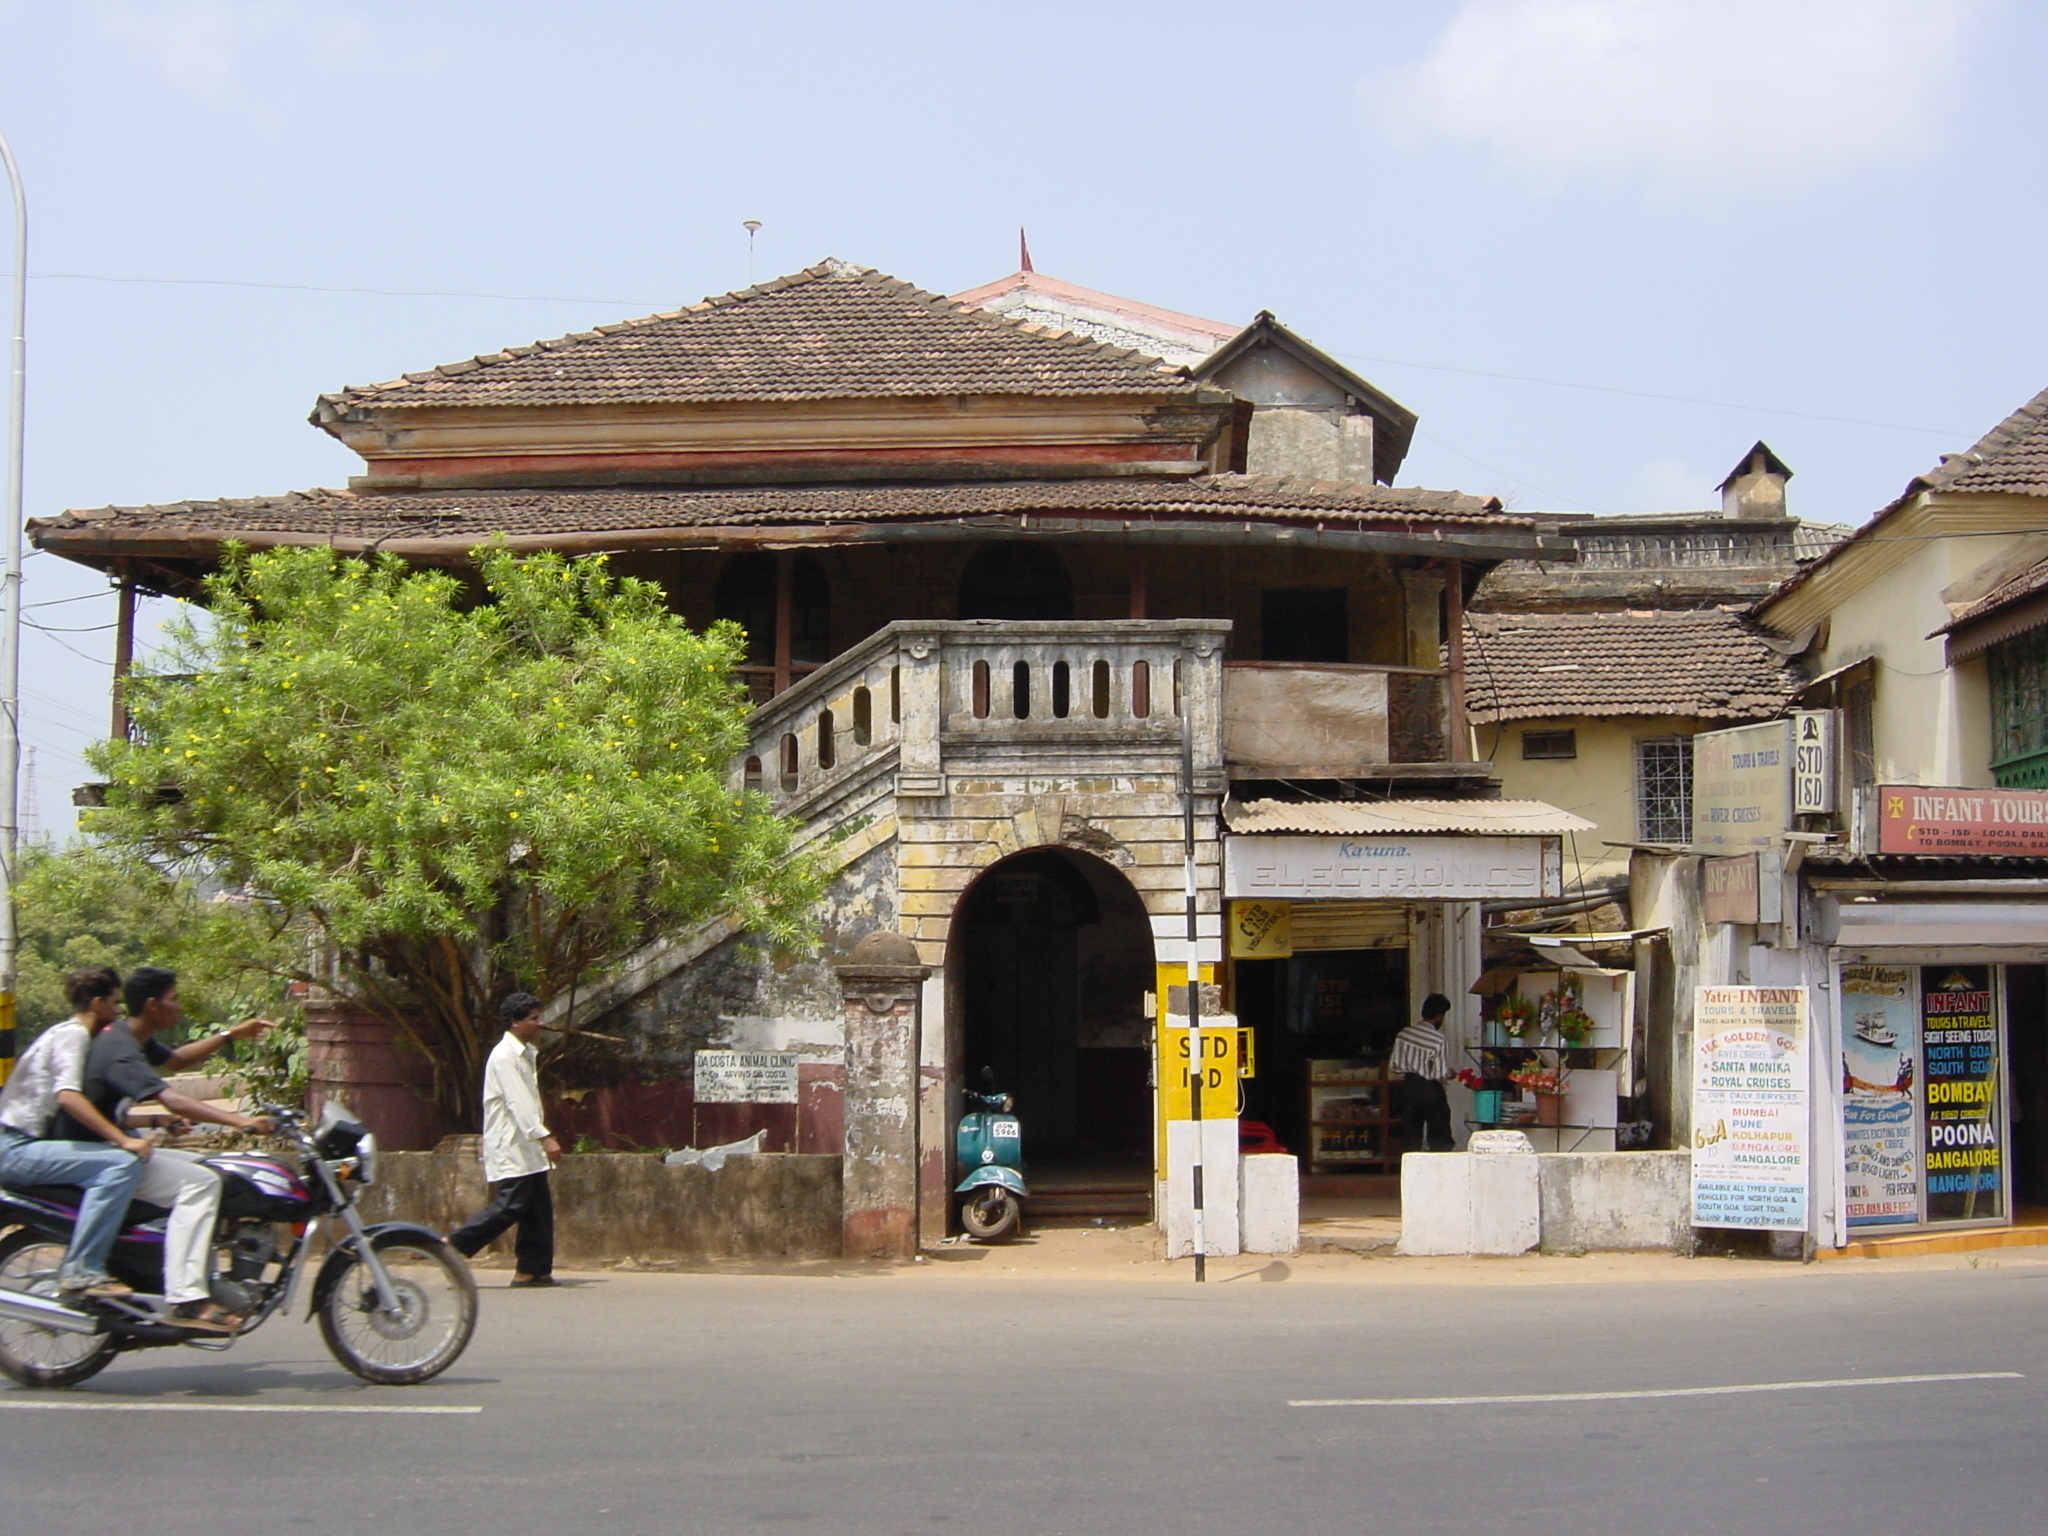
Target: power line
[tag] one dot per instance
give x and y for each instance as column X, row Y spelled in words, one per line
column 1649, row 394
column 382, row 293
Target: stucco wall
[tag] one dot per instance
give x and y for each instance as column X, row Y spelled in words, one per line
column 1599, row 784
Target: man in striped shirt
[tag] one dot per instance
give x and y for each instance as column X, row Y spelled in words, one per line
column 1422, row 1061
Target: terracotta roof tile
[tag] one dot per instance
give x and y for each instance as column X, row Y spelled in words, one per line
column 347, row 517
column 2012, row 458
column 1708, row 664
column 830, row 332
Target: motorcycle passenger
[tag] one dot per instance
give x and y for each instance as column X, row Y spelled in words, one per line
column 105, row 1162
column 122, row 1066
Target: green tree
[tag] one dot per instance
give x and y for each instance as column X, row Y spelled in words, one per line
column 460, row 791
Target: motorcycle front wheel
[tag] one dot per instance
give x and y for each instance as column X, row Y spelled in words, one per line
column 431, row 1327
column 990, row 1212
column 31, row 1354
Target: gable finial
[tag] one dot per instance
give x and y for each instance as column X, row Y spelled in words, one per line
column 1023, row 251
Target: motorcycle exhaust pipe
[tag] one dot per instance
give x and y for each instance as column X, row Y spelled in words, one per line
column 24, row 1308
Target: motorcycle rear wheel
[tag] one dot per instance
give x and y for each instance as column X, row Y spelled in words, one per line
column 990, row 1212
column 29, row 1353
column 437, row 1312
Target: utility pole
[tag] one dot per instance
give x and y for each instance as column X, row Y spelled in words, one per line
column 10, row 618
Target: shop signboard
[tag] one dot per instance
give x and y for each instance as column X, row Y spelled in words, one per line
column 746, row 1077
column 1915, row 818
column 1729, row 889
column 1220, row 1071
column 1392, row 868
column 1749, row 1108
column 1880, row 1044
column 1261, row 930
column 1964, row 1138
column 1741, row 788
column 1813, row 761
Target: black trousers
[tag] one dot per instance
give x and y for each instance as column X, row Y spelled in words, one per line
column 1425, row 1115
column 523, row 1202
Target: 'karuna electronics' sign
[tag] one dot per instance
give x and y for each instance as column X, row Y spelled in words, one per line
column 1394, row 868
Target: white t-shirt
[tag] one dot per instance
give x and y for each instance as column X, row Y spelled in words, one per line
column 54, row 1064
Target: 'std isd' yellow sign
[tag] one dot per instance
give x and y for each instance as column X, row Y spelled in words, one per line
column 1261, row 930
column 1219, row 1074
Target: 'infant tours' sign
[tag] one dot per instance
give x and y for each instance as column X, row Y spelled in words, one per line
column 746, row 1077
column 1749, row 1108
column 1913, row 818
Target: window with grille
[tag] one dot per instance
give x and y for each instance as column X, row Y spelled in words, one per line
column 1664, row 789
column 2019, row 711
column 1550, row 744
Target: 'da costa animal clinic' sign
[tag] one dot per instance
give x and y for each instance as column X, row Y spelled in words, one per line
column 746, row 1077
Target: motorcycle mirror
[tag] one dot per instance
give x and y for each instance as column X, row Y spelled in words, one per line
column 988, row 1074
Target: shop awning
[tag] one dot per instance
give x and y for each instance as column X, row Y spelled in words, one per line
column 1364, row 818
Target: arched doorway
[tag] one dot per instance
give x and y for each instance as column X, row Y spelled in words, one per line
column 1052, row 951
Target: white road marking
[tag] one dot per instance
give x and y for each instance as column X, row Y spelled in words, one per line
column 49, row 1404
column 1609, row 1397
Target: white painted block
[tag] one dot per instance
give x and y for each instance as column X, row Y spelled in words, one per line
column 1220, row 1165
column 1436, row 1203
column 1269, row 1206
column 1486, row 1201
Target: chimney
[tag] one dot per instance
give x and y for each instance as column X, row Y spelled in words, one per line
column 1755, row 489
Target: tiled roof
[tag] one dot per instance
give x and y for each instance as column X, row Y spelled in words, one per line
column 2028, row 583
column 831, row 332
column 1707, row 664
column 2012, row 458
column 1357, row 818
column 348, row 517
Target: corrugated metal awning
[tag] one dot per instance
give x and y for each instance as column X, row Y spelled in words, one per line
column 1364, row 818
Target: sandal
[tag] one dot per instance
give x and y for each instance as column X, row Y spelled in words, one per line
column 204, row 1316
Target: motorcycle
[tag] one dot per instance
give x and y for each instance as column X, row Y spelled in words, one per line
column 990, row 1145
column 396, row 1304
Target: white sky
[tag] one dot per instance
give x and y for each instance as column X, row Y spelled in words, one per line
column 1811, row 221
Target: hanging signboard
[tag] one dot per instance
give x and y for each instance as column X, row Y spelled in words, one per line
column 1749, row 1108
column 1963, row 1139
column 1914, row 818
column 1741, row 788
column 1261, row 930
column 1394, row 868
column 1813, row 761
column 1880, row 1044
column 1729, row 889
column 746, row 1077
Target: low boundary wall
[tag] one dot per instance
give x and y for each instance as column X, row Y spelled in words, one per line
column 631, row 1206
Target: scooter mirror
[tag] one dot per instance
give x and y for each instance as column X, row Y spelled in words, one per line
column 988, row 1074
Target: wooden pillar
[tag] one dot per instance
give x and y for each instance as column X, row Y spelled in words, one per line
column 785, row 618
column 883, row 989
column 1457, row 737
column 1140, row 596
column 124, row 654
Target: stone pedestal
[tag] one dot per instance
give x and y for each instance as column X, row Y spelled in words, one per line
column 882, row 985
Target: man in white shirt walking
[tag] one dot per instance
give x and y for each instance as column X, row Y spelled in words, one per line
column 518, row 1151
column 1421, row 1060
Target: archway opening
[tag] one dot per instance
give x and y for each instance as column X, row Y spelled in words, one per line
column 1053, row 950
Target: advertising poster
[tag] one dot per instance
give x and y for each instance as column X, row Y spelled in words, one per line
column 1880, row 1044
column 1741, row 788
column 1749, row 1096
column 1964, row 1140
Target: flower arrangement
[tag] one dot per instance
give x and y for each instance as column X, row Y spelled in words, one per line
column 1473, row 1080
column 1516, row 1014
column 1537, row 1079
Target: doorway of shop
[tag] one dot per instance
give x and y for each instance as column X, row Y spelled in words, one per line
column 2026, row 1023
column 1052, row 949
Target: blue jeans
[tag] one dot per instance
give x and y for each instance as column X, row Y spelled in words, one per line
column 105, row 1174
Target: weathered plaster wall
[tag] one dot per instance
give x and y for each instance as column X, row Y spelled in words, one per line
column 1599, row 784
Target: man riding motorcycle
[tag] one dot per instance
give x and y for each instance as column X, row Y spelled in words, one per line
column 104, row 1161
column 120, row 1067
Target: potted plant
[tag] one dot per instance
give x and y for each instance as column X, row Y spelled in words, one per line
column 1516, row 1014
column 1546, row 1086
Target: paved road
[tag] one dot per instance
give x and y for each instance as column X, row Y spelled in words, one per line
column 914, row 1403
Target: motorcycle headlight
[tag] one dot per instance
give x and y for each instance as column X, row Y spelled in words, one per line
column 366, row 1158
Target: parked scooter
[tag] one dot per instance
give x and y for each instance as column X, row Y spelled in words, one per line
column 990, row 1145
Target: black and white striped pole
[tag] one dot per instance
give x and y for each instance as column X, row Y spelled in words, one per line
column 1197, row 1064
column 10, row 615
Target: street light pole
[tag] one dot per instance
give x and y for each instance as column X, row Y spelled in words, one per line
column 10, row 618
